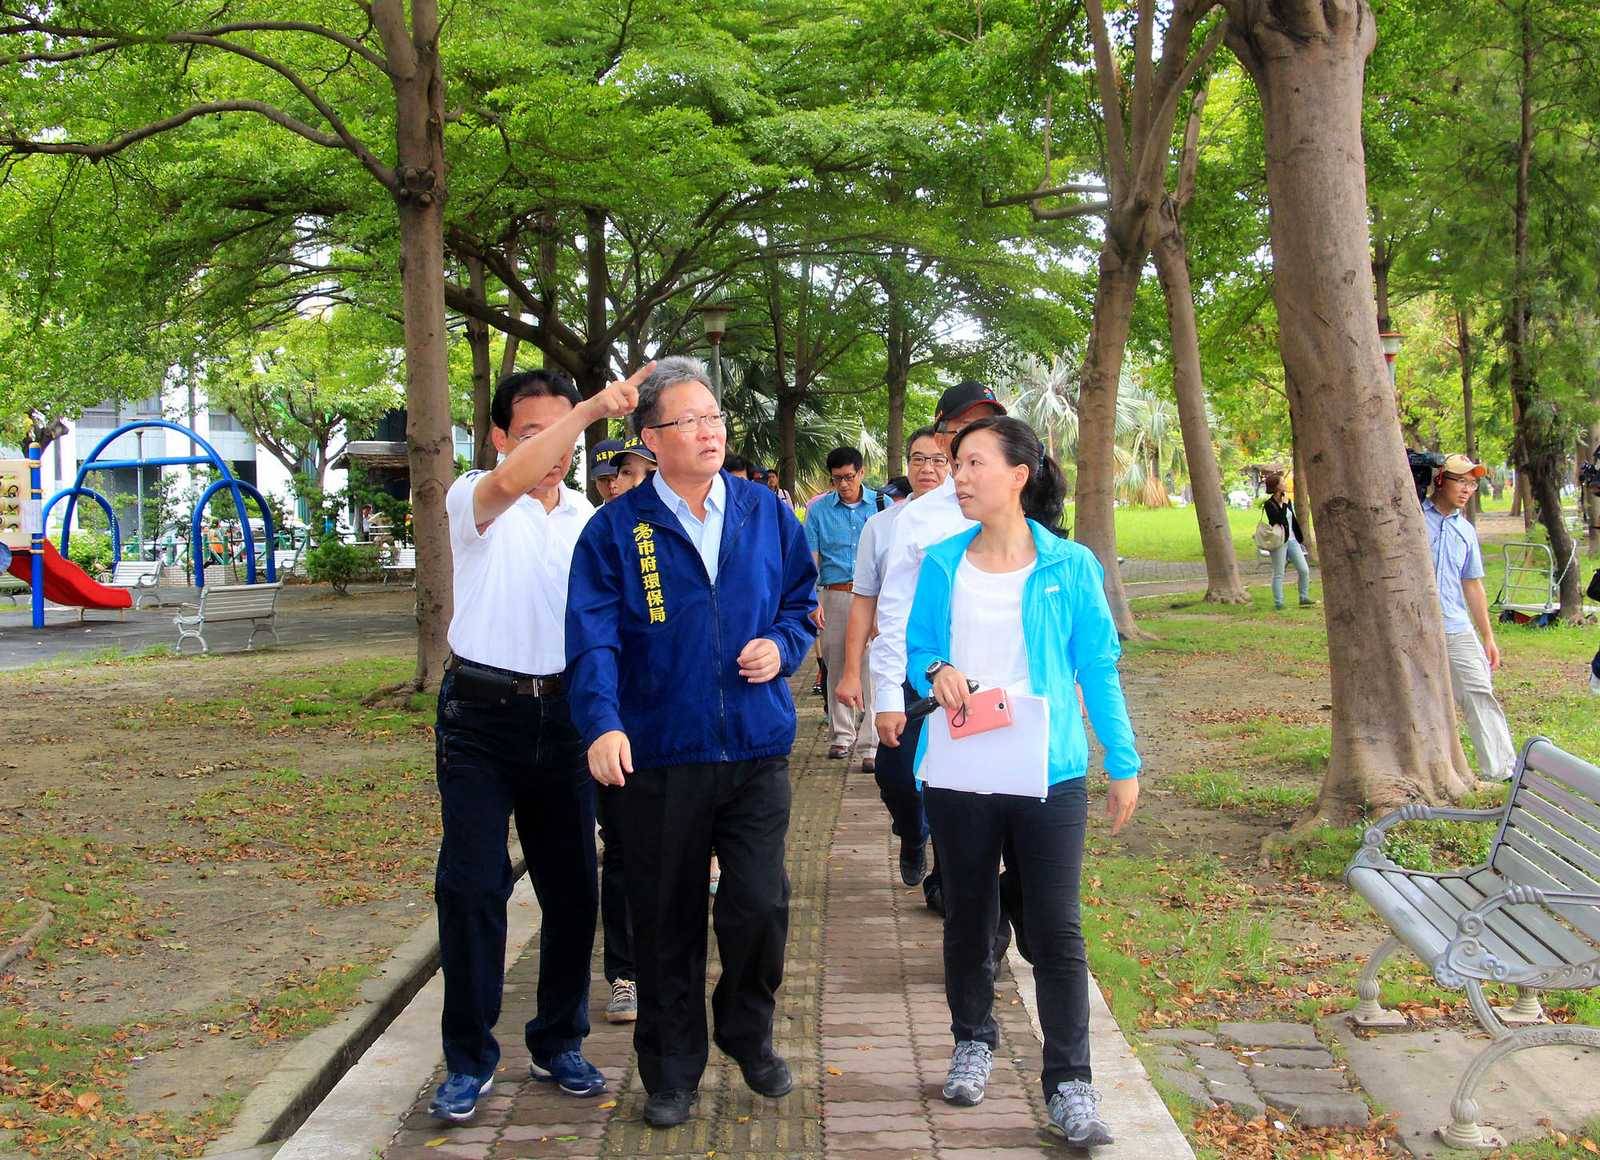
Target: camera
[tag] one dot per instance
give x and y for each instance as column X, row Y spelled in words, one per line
column 1423, row 465
column 1589, row 473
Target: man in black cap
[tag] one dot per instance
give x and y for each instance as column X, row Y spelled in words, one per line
column 603, row 468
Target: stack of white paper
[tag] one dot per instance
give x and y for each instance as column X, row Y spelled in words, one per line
column 1012, row 760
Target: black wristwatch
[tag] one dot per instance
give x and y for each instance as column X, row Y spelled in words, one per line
column 933, row 670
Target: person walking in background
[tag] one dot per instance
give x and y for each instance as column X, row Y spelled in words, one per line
column 1458, row 576
column 1280, row 514
column 833, row 531
column 1012, row 604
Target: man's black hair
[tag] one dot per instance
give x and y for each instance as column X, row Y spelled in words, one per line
column 734, row 465
column 529, row 384
column 844, row 457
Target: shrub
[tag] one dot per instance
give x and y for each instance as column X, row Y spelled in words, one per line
column 91, row 551
column 340, row 564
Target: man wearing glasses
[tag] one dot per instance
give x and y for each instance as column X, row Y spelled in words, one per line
column 1458, row 572
column 833, row 530
column 691, row 598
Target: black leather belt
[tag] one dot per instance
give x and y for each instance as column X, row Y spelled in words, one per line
column 491, row 683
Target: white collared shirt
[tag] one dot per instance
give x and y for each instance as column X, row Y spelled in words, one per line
column 925, row 521
column 511, row 580
column 706, row 534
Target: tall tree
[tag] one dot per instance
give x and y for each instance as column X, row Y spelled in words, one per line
column 1393, row 720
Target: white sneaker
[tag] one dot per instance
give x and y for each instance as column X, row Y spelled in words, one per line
column 1594, row 684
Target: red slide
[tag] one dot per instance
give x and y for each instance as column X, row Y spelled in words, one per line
column 66, row 583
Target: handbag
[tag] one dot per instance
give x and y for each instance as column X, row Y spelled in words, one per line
column 1268, row 537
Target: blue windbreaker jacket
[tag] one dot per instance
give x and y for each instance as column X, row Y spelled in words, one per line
column 652, row 644
column 1071, row 640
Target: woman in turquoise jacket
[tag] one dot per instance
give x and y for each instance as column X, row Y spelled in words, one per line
column 1013, row 604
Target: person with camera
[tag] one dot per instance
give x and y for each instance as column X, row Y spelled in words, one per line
column 1279, row 509
column 506, row 746
column 1474, row 655
column 1013, row 605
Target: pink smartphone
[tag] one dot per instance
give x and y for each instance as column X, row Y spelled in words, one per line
column 986, row 710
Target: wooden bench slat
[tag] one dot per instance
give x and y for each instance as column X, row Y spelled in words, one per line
column 1449, row 909
column 1535, row 818
column 1563, row 944
column 1581, row 808
column 1510, row 860
column 1559, row 765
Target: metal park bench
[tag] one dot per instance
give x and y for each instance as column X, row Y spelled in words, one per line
column 140, row 577
column 405, row 560
column 257, row 603
column 1529, row 916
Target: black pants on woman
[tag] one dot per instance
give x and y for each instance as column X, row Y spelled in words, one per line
column 1046, row 837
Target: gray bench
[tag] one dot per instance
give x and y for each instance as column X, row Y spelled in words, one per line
column 405, row 560
column 140, row 577
column 1529, row 916
column 257, row 603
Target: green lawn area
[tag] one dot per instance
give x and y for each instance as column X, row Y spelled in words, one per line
column 1173, row 534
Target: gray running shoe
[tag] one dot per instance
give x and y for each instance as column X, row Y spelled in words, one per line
column 1075, row 1115
column 624, row 1005
column 969, row 1073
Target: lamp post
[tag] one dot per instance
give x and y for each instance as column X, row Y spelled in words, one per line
column 715, row 318
column 1391, row 340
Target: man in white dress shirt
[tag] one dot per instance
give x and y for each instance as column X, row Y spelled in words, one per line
column 506, row 746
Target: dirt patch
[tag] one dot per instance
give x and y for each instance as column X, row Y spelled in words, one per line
column 230, row 843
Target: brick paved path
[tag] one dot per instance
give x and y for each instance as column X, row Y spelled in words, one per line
column 861, row 1020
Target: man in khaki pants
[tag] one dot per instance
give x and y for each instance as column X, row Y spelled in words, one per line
column 833, row 530
column 1474, row 655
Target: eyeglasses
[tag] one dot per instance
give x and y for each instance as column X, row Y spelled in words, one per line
column 1465, row 480
column 847, row 477
column 920, row 460
column 687, row 423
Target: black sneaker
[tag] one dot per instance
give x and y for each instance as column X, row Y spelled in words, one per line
column 670, row 1108
column 935, row 900
column 913, row 861
column 767, row 1075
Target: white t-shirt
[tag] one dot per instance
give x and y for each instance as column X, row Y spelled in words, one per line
column 986, row 641
column 511, row 581
column 871, row 551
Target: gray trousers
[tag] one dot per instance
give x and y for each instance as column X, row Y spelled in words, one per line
column 1473, row 687
column 847, row 728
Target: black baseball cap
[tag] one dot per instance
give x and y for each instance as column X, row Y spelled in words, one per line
column 633, row 445
column 602, row 459
column 962, row 397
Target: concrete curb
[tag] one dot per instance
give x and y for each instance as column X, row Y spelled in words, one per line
column 1138, row 1117
column 278, row 1105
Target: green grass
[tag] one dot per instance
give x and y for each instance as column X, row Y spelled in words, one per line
column 1174, row 534
column 1214, row 789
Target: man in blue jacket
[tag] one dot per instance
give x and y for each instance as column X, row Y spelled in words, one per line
column 705, row 584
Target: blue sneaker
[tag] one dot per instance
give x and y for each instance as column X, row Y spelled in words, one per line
column 569, row 1071
column 456, row 1099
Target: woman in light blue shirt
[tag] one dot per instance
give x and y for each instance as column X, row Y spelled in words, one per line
column 1013, row 604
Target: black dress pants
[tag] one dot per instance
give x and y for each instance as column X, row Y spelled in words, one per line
column 672, row 817
column 1043, row 844
column 496, row 761
column 615, row 922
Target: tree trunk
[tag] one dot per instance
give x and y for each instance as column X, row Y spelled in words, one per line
column 1393, row 720
column 1095, row 497
column 483, row 452
column 1469, row 422
column 1302, row 495
column 788, row 430
column 1540, row 443
column 419, row 107
column 1223, row 585
column 896, row 373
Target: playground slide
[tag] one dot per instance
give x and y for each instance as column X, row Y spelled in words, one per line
column 66, row 583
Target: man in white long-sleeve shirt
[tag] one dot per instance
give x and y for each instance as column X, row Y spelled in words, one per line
column 926, row 520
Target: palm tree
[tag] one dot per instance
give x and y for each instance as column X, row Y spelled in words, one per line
column 752, row 411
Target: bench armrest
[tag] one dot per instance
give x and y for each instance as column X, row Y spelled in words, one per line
column 1371, row 852
column 1466, row 956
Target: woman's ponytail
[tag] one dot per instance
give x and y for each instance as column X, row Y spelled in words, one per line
column 1044, row 495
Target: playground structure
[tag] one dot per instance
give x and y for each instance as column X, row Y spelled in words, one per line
column 50, row 574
